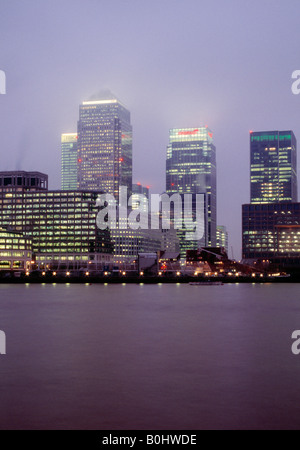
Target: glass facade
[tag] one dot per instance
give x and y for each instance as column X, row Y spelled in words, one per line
column 104, row 147
column 273, row 166
column 138, row 189
column 15, row 251
column 271, row 223
column 69, row 161
column 61, row 224
column 129, row 243
column 271, row 231
column 191, row 169
column 222, row 237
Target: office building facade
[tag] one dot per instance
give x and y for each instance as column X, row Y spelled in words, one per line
column 191, row 169
column 15, row 251
column 104, row 146
column 129, row 243
column 222, row 237
column 21, row 181
column 273, row 169
column 137, row 190
column 271, row 222
column 272, row 232
column 69, row 161
column 61, row 224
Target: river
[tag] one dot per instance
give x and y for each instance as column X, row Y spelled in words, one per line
column 149, row 357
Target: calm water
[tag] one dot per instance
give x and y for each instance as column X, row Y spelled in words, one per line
column 149, row 357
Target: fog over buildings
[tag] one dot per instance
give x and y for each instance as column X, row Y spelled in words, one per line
column 173, row 64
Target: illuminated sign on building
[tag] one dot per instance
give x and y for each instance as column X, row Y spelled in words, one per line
column 188, row 132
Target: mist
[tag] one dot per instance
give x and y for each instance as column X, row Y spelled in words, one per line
column 227, row 65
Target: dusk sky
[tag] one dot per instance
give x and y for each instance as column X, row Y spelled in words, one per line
column 226, row 64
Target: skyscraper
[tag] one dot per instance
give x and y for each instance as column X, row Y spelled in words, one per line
column 273, row 166
column 271, row 221
column 104, row 146
column 191, row 169
column 69, row 161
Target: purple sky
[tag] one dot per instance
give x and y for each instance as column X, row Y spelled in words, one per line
column 173, row 63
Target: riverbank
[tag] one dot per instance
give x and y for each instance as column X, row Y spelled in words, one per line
column 182, row 279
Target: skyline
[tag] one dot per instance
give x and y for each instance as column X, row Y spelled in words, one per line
column 227, row 72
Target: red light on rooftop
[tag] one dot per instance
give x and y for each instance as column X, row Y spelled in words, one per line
column 251, row 131
column 121, row 159
column 188, row 133
column 148, row 187
column 172, row 184
column 138, row 184
column 210, row 135
column 80, row 160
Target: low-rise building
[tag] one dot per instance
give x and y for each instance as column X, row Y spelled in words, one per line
column 15, row 252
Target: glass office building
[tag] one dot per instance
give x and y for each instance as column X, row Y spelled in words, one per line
column 137, row 190
column 129, row 243
column 272, row 231
column 104, row 146
column 69, row 161
column 61, row 224
column 191, row 169
column 222, row 237
column 273, row 166
column 271, row 223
